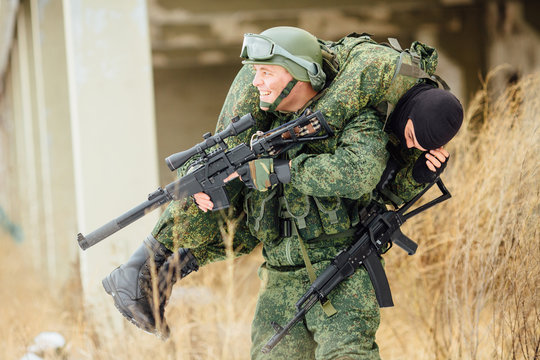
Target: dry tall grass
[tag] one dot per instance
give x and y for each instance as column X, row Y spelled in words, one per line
column 470, row 292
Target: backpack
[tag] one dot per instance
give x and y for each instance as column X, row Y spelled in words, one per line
column 405, row 68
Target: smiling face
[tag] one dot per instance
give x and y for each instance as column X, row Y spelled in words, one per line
column 410, row 137
column 270, row 80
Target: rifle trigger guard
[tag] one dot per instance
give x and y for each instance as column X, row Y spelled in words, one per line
column 383, row 251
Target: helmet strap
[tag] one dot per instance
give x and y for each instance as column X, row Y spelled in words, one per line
column 284, row 93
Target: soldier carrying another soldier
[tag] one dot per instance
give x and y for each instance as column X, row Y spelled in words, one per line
column 303, row 205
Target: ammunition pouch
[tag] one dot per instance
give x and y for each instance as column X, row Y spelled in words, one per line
column 271, row 217
column 262, row 219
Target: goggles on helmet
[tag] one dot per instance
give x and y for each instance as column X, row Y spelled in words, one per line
column 259, row 47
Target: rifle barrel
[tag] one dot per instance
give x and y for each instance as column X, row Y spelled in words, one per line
column 122, row 221
column 285, row 330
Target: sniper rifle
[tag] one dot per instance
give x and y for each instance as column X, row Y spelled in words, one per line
column 214, row 161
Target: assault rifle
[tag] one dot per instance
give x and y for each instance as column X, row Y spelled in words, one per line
column 378, row 229
column 214, row 162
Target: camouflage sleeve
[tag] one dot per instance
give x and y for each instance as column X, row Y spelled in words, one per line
column 353, row 170
column 184, row 225
column 403, row 185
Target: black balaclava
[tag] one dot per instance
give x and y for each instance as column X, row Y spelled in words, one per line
column 436, row 115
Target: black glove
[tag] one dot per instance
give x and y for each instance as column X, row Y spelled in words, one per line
column 422, row 174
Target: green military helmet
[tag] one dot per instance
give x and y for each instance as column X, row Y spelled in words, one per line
column 295, row 49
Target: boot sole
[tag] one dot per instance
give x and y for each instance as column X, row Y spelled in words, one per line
column 111, row 290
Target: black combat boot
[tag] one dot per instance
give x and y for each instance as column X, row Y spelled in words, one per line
column 131, row 284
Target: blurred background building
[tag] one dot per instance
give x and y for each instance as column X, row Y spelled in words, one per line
column 94, row 94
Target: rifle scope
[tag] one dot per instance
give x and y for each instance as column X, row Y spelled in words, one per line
column 237, row 125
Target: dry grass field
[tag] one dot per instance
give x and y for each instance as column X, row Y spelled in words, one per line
column 470, row 292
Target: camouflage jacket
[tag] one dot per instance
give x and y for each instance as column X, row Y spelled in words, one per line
column 330, row 179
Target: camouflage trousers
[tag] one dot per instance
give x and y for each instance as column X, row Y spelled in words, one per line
column 349, row 334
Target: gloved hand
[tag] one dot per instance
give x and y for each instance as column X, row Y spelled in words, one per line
column 262, row 174
column 430, row 165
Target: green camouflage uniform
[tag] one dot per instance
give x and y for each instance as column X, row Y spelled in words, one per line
column 330, row 181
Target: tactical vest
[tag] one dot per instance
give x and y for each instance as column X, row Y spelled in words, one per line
column 269, row 213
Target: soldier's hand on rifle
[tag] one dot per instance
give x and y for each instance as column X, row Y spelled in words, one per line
column 203, row 201
column 262, row 174
column 430, row 165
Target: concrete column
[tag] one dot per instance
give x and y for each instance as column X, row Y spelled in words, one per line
column 8, row 16
column 26, row 142
column 513, row 44
column 113, row 132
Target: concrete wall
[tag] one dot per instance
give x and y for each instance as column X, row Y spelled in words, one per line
column 78, row 135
